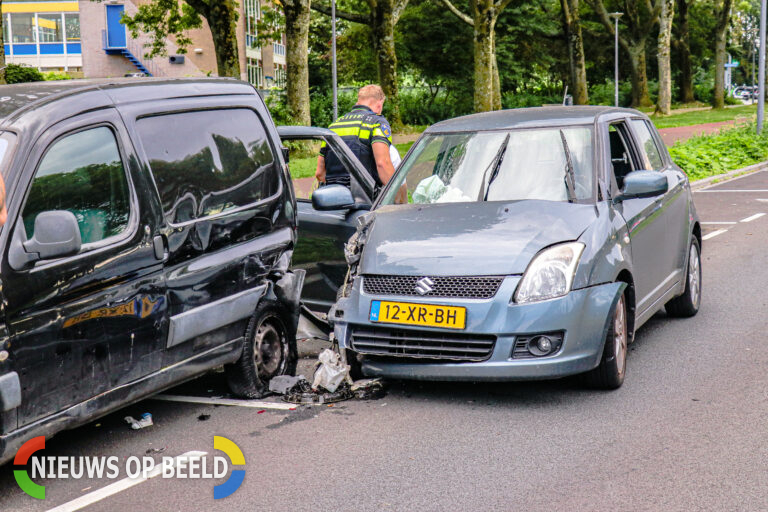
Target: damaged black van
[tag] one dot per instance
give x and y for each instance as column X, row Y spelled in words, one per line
column 149, row 236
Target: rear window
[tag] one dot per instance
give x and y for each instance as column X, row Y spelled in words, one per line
column 208, row 162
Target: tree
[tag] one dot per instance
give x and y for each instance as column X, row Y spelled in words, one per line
column 577, row 65
column 297, row 16
column 382, row 16
column 164, row 18
column 722, row 17
column 485, row 13
column 2, row 49
column 640, row 16
column 684, row 46
column 664, row 102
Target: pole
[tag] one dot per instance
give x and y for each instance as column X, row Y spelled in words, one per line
column 761, row 70
column 333, row 60
column 616, row 62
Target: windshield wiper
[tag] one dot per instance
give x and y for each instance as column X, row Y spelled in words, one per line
column 570, row 180
column 494, row 168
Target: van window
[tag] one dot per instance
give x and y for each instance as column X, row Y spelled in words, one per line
column 208, row 162
column 82, row 173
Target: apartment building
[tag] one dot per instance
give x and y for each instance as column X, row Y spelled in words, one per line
column 87, row 39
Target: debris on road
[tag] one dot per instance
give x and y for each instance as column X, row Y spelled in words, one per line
column 143, row 422
column 369, row 389
column 282, row 383
column 331, row 371
column 204, row 417
column 302, row 393
column 155, row 450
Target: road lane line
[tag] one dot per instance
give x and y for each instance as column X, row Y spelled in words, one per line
column 731, row 222
column 753, row 217
column 224, row 401
column 119, row 486
column 729, row 190
column 714, row 234
column 762, row 200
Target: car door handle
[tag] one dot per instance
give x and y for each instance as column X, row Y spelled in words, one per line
column 158, row 245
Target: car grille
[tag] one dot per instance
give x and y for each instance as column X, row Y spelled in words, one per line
column 462, row 287
column 422, row 344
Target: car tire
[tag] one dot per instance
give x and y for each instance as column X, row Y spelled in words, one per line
column 610, row 373
column 687, row 304
column 269, row 350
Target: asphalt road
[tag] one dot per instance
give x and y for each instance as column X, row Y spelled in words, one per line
column 687, row 431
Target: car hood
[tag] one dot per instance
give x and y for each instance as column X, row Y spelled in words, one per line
column 484, row 238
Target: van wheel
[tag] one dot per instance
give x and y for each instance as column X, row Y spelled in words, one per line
column 613, row 365
column 688, row 303
column 269, row 350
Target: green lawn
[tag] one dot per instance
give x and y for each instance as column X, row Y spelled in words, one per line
column 305, row 167
column 746, row 113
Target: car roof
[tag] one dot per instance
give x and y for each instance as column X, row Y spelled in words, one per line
column 528, row 118
column 18, row 99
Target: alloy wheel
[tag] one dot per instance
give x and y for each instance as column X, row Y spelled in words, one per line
column 620, row 335
column 694, row 276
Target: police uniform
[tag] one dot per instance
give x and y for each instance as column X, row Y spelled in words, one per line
column 359, row 129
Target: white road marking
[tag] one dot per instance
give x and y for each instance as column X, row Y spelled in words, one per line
column 723, row 190
column 224, row 401
column 714, row 234
column 719, row 223
column 753, row 217
column 762, row 200
column 119, row 486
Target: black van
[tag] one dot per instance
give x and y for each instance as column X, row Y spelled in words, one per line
column 150, row 230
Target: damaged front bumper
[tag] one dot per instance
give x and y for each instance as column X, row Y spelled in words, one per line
column 582, row 318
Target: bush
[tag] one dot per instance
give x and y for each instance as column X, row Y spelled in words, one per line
column 419, row 107
column 56, row 75
column 525, row 99
column 708, row 155
column 15, row 74
column 603, row 94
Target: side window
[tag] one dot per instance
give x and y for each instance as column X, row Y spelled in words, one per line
column 621, row 158
column 208, row 162
column 649, row 151
column 82, row 173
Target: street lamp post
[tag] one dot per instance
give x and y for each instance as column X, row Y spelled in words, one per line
column 333, row 60
column 761, row 71
column 616, row 16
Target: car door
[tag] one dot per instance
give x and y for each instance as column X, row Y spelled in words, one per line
column 644, row 217
column 674, row 204
column 228, row 214
column 84, row 324
column 322, row 234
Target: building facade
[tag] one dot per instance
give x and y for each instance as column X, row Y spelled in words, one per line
column 86, row 38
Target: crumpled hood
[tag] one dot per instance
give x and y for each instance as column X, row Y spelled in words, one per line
column 482, row 238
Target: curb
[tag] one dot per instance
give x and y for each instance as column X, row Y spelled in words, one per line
column 738, row 173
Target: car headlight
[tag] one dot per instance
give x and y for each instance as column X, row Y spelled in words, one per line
column 550, row 274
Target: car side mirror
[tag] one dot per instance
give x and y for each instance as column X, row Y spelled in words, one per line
column 642, row 184
column 57, row 234
column 332, row 197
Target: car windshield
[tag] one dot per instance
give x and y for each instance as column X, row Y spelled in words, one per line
column 497, row 166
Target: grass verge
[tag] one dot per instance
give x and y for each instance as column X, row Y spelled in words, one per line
column 743, row 113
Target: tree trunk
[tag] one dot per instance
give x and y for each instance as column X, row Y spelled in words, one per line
column 664, row 103
column 297, row 18
column 496, row 79
column 721, row 29
column 640, row 95
column 576, row 61
column 484, row 57
column 686, row 67
column 2, row 50
column 383, row 31
column 221, row 16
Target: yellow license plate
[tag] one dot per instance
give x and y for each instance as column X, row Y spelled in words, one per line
column 427, row 315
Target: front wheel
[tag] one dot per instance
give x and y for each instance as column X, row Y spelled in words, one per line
column 688, row 303
column 269, row 350
column 613, row 365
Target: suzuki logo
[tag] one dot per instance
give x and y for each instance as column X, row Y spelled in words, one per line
column 424, row 286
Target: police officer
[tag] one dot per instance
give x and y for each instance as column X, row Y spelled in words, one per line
column 368, row 135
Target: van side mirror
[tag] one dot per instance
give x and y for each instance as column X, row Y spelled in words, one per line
column 57, row 234
column 332, row 197
column 642, row 184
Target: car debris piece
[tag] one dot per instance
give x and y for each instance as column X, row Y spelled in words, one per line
column 282, row 383
column 204, row 417
column 302, row 393
column 331, row 371
column 369, row 389
column 143, row 422
column 155, row 450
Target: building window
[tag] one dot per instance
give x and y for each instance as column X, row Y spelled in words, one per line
column 252, row 15
column 22, row 27
column 49, row 28
column 278, row 48
column 72, row 26
column 280, row 75
column 255, row 73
